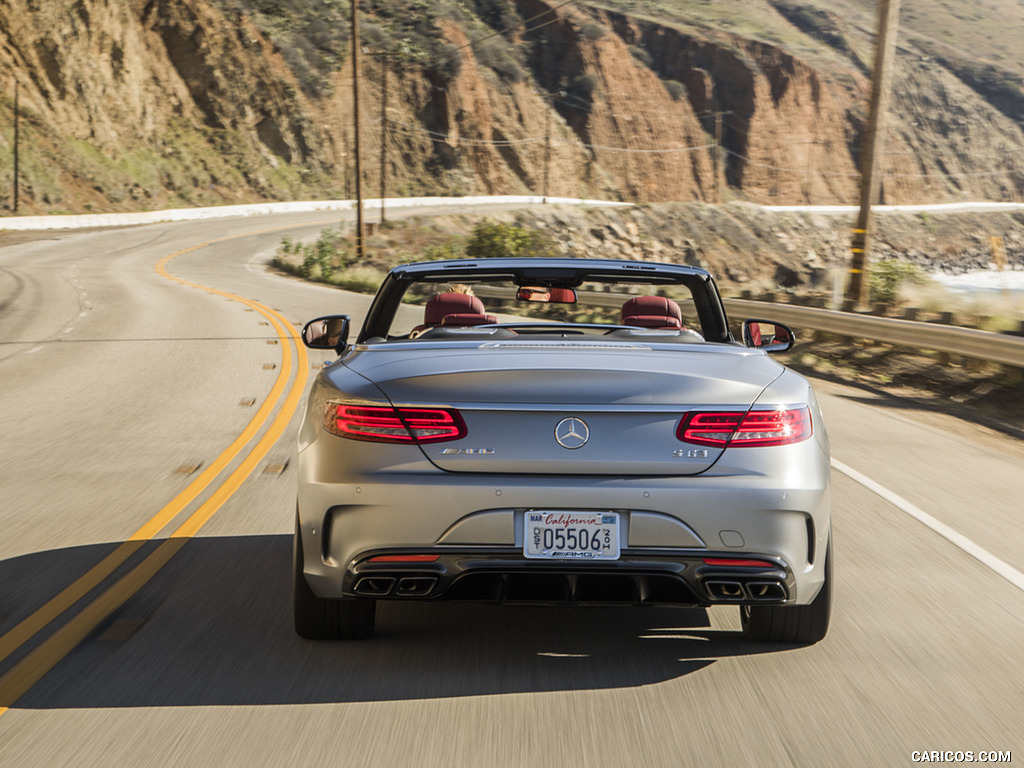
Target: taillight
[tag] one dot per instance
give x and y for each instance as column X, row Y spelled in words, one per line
column 383, row 424
column 730, row 562
column 746, row 428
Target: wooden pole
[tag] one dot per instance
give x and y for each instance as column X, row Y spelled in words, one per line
column 355, row 117
column 547, row 146
column 874, row 140
column 16, row 109
column 383, row 132
column 718, row 157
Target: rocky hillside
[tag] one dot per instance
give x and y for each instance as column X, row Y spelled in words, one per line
column 151, row 103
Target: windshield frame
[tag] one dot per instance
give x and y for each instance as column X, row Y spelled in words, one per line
column 554, row 272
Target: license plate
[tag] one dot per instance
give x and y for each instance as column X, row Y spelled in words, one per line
column 571, row 535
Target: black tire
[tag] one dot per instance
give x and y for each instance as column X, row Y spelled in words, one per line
column 316, row 618
column 795, row 624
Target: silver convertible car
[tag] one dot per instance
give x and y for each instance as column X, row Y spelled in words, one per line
column 573, row 431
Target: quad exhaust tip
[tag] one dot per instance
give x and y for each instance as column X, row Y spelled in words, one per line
column 405, row 586
column 725, row 590
column 375, row 586
column 415, row 586
column 735, row 591
column 766, row 590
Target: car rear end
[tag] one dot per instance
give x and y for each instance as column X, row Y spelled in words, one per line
column 582, row 472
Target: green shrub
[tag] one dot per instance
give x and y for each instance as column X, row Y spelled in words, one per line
column 888, row 276
column 641, row 55
column 319, row 259
column 453, row 249
column 495, row 240
column 584, row 87
column 675, row 89
column 358, row 279
column 593, row 31
column 497, row 54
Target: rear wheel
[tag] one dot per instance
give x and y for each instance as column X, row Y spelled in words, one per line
column 796, row 624
column 316, row 618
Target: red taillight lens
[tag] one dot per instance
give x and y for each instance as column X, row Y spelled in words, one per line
column 405, row 559
column 382, row 424
column 738, row 428
column 738, row 563
column 709, row 428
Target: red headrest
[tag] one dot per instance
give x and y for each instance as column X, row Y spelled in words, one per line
column 651, row 321
column 652, row 306
column 451, row 304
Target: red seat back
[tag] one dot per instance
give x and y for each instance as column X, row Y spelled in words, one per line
column 444, row 304
column 651, row 312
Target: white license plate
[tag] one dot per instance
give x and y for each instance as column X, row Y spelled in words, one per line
column 571, row 535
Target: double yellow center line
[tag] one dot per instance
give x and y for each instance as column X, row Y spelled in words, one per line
column 32, row 667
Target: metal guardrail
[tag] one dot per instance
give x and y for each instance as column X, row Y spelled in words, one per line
column 968, row 342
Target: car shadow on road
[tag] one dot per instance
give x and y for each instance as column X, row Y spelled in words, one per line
column 214, row 628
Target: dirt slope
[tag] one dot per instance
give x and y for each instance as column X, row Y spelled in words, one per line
column 150, row 103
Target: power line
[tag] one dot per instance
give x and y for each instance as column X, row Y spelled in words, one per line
column 887, row 173
column 667, row 150
column 413, row 130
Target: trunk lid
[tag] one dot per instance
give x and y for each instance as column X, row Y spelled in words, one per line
column 569, row 407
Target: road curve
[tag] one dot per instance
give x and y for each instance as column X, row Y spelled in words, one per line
column 125, row 390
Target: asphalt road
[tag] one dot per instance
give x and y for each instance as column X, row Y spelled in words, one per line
column 147, row 431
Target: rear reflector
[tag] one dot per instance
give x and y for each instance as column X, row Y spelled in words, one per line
column 383, row 424
column 404, row 559
column 738, row 563
column 750, row 428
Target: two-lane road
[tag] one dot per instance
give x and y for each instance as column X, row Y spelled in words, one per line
column 147, row 425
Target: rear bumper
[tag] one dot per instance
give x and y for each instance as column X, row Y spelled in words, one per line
column 637, row 577
column 475, row 524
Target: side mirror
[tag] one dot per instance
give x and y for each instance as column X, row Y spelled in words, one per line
column 767, row 335
column 328, row 332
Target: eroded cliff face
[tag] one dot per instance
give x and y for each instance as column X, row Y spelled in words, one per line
column 147, row 103
column 175, row 85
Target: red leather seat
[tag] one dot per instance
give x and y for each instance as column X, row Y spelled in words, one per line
column 651, row 312
column 461, row 308
column 444, row 304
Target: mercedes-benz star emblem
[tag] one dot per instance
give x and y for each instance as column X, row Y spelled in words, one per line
column 572, row 433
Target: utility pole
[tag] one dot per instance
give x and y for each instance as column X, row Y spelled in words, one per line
column 383, row 132
column 718, row 157
column 382, row 55
column 15, row 206
column 355, row 116
column 547, row 146
column 871, row 150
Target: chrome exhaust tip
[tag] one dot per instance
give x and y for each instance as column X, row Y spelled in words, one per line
column 415, row 586
column 768, row 591
column 725, row 590
column 374, row 586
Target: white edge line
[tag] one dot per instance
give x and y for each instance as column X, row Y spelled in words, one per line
column 981, row 554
